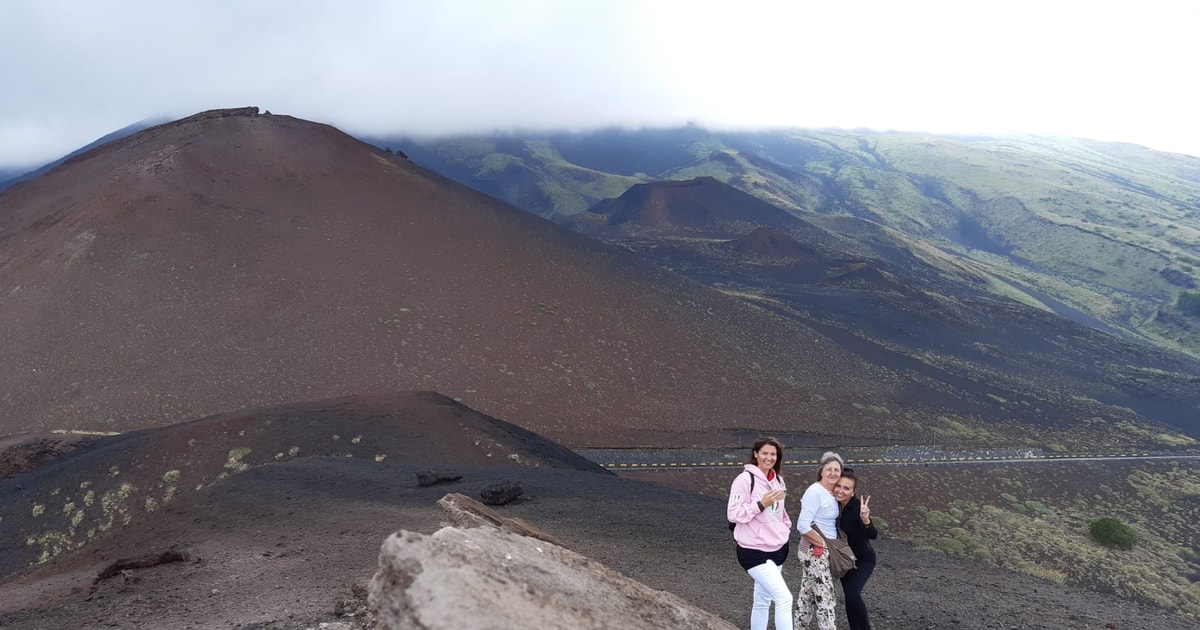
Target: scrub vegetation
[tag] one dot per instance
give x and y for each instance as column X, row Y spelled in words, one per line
column 1079, row 525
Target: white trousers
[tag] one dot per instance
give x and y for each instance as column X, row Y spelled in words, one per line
column 769, row 587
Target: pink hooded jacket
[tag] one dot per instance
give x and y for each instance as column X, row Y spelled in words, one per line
column 764, row 530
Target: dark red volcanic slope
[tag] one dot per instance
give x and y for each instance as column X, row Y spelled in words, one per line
column 701, row 207
column 772, row 243
column 234, row 260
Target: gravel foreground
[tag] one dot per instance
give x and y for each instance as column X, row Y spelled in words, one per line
column 283, row 546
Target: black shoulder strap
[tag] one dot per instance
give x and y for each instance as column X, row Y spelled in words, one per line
column 751, row 482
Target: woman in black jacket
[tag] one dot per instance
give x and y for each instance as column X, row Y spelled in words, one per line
column 855, row 520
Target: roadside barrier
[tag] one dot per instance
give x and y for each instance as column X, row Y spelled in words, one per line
column 960, row 458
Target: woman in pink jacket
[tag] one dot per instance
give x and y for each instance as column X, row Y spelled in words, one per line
column 762, row 529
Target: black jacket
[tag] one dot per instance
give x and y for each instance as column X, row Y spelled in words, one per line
column 858, row 535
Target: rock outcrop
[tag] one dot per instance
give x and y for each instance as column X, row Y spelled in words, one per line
column 501, row 492
column 463, row 511
column 484, row 577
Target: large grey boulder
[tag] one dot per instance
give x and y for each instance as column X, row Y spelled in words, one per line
column 485, row 578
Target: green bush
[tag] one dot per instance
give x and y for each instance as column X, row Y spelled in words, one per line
column 1189, row 302
column 1111, row 532
column 983, row 554
column 951, row 546
column 934, row 518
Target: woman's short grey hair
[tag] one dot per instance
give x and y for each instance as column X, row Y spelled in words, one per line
column 830, row 456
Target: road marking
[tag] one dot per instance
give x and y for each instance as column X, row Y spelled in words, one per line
column 916, row 461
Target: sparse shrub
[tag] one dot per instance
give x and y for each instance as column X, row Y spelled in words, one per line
column 950, row 545
column 1008, row 497
column 1037, row 506
column 879, row 523
column 1112, row 533
column 1189, row 303
column 934, row 518
column 1044, row 573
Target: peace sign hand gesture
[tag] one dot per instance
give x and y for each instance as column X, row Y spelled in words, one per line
column 864, row 510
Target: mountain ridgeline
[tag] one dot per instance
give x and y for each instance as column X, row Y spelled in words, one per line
column 235, row 259
column 1106, row 234
column 1006, row 261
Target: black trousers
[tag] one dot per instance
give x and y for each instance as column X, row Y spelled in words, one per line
column 852, row 586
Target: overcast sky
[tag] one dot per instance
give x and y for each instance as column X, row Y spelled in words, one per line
column 74, row 70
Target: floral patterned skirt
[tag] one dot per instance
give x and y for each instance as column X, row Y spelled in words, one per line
column 816, row 597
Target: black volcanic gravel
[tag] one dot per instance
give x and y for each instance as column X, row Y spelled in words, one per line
column 281, row 544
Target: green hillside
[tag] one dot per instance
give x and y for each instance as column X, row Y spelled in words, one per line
column 1106, row 234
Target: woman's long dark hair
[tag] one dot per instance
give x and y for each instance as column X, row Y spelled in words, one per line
column 848, row 473
column 761, row 442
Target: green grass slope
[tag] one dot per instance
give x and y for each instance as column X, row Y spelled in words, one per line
column 1107, row 234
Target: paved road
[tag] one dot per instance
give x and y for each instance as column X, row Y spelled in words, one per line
column 692, row 459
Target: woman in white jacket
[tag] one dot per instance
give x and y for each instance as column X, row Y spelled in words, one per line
column 762, row 529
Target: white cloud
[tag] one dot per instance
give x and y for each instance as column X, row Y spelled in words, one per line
column 73, row 71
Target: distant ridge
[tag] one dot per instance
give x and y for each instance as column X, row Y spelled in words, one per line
column 6, row 181
column 236, row 259
column 1107, row 233
column 772, row 243
column 701, row 206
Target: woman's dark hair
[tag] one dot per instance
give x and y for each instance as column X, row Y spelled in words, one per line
column 848, row 473
column 761, row 442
